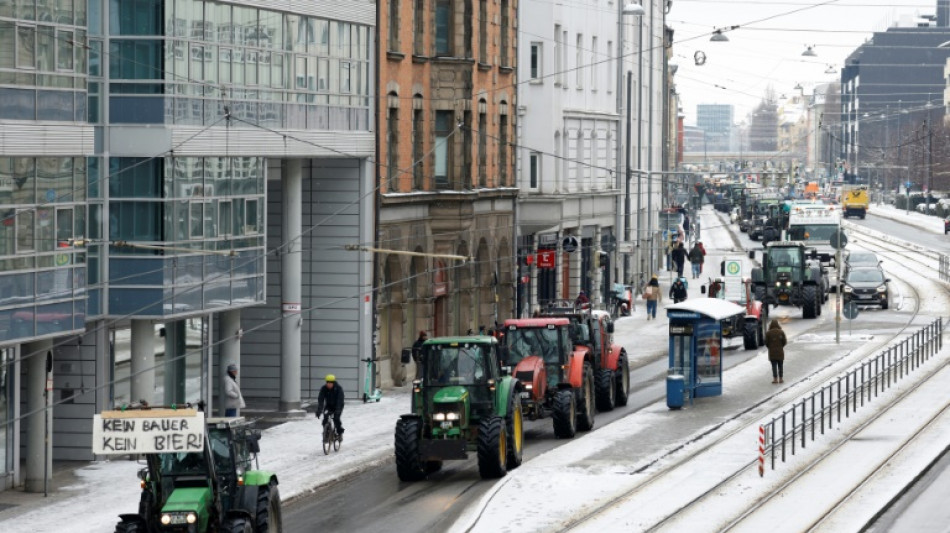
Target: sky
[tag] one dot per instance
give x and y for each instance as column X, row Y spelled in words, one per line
column 766, row 49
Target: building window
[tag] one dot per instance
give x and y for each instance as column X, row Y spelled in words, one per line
column 443, row 129
column 564, row 57
column 482, row 150
column 535, row 61
column 467, row 28
column 505, row 22
column 26, row 47
column 443, row 27
column 417, row 148
column 392, row 142
column 466, row 175
column 594, row 65
column 419, row 23
column 534, row 169
column 483, row 31
column 558, row 56
column 503, row 150
column 394, row 25
column 579, row 61
column 610, row 69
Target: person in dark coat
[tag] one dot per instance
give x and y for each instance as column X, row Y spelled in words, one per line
column 330, row 400
column 696, row 257
column 775, row 341
column 679, row 258
column 417, row 346
column 678, row 291
column 582, row 301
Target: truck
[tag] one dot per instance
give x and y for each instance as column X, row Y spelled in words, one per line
column 814, row 224
column 199, row 476
column 465, row 402
column 854, row 201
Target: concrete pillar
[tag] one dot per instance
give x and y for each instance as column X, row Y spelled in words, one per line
column 39, row 438
column 597, row 273
column 175, row 363
column 229, row 331
column 143, row 361
column 290, row 285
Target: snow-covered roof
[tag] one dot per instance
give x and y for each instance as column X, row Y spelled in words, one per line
column 714, row 308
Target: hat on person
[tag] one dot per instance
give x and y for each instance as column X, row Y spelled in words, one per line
column 330, row 378
column 655, row 276
column 232, row 367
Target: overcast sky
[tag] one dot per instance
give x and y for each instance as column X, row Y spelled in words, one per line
column 767, row 48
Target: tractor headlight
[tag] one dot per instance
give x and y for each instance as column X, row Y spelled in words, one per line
column 882, row 288
column 169, row 519
column 528, row 386
column 778, row 283
column 847, row 288
column 438, row 417
column 451, row 416
column 166, row 519
column 191, row 518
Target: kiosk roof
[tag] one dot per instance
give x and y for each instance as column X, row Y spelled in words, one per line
column 714, row 308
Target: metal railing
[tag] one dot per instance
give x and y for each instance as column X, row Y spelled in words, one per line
column 944, row 268
column 787, row 432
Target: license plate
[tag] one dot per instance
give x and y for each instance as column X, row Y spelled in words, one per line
column 525, row 394
column 446, row 425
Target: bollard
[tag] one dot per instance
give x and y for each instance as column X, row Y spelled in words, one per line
column 761, row 450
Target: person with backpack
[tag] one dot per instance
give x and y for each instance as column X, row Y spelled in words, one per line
column 678, row 291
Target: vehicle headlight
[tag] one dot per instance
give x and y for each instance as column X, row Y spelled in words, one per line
column 191, row 518
column 451, row 416
column 528, row 386
column 166, row 519
column 438, row 417
column 882, row 288
column 778, row 283
column 847, row 288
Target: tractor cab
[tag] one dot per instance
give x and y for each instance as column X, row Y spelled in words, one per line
column 791, row 274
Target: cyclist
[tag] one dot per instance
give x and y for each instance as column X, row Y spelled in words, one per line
column 331, row 398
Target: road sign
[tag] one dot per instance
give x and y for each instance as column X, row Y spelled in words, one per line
column 624, row 247
column 733, row 279
column 838, row 240
column 569, row 244
column 850, row 310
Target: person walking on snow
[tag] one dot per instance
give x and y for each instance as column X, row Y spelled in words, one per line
column 775, row 340
column 234, row 400
column 678, row 291
column 679, row 258
column 331, row 398
column 703, row 248
column 651, row 293
column 696, row 258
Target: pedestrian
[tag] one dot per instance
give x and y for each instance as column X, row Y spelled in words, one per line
column 582, row 301
column 417, row 346
column 686, row 226
column 714, row 288
column 775, row 340
column 233, row 400
column 701, row 247
column 651, row 293
column 330, row 401
column 678, row 291
column 696, row 258
column 679, row 258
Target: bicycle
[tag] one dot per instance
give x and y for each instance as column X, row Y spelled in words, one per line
column 330, row 437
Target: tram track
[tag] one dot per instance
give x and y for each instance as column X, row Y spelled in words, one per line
column 673, row 461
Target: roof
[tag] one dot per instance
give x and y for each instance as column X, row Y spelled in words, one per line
column 537, row 322
column 711, row 307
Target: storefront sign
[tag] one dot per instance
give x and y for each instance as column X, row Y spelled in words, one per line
column 547, row 258
column 152, row 431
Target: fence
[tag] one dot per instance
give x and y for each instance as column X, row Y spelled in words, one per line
column 789, row 430
column 944, row 269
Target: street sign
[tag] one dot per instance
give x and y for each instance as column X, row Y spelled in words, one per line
column 850, row 310
column 569, row 244
column 546, row 258
column 732, row 268
column 838, row 240
column 625, row 247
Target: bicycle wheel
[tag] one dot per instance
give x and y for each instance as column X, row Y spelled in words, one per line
column 327, row 439
column 336, row 442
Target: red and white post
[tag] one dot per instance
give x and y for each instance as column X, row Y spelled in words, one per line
column 761, row 451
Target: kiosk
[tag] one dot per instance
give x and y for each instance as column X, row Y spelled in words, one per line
column 695, row 348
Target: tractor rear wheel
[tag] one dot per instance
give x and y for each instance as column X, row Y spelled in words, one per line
column 268, row 519
column 605, row 390
column 809, row 301
column 623, row 380
column 585, row 400
column 514, row 426
column 564, row 414
column 236, row 524
column 760, row 326
column 759, row 293
column 409, row 466
column 134, row 525
column 749, row 340
column 492, row 448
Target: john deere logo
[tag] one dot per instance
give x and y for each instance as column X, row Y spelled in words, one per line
column 732, row 268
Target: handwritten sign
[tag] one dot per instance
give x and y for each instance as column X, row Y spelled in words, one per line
column 153, row 431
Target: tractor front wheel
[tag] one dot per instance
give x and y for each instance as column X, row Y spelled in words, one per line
column 131, row 525
column 409, row 466
column 564, row 414
column 809, row 301
column 749, row 341
column 623, row 380
column 268, row 519
column 605, row 390
column 492, row 448
column 514, row 426
column 236, row 524
column 585, row 400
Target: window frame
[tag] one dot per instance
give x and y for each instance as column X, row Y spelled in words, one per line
column 17, row 64
column 534, row 170
column 535, row 62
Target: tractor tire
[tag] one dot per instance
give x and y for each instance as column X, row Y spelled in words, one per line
column 810, row 301
column 759, row 293
column 585, row 400
column 236, row 524
column 268, row 517
column 749, row 340
column 492, row 448
column 135, row 525
column 606, row 393
column 514, row 427
column 623, row 380
column 564, row 414
column 761, row 325
column 409, row 466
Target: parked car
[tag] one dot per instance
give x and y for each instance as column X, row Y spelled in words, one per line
column 867, row 286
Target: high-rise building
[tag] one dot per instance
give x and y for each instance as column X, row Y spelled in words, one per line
column 716, row 121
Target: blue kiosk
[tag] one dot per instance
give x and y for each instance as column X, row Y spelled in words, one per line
column 696, row 348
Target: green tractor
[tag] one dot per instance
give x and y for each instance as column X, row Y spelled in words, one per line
column 789, row 276
column 211, row 484
column 463, row 403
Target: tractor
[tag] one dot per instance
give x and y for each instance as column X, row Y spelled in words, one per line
column 463, row 403
column 751, row 326
column 790, row 276
column 592, row 331
column 557, row 377
column 210, row 484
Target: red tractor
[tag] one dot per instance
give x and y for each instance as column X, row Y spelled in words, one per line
column 592, row 333
column 752, row 326
column 557, row 380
